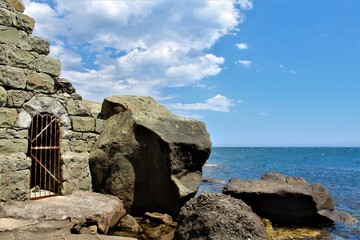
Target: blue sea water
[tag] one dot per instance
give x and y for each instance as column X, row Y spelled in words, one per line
column 337, row 169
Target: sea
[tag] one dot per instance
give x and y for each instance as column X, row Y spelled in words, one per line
column 337, row 169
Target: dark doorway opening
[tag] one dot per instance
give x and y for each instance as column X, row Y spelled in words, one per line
column 44, row 151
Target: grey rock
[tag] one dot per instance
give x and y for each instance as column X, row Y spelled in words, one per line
column 16, row 98
column 277, row 177
column 48, row 65
column 143, row 144
column 281, row 202
column 104, row 210
column 9, row 35
column 14, row 185
column 12, row 77
column 218, row 216
column 21, row 58
column 40, row 82
column 10, row 146
column 24, row 120
column 8, row 117
column 23, row 22
column 129, row 224
column 5, row 17
column 3, row 97
column 40, row 104
column 75, row 172
column 39, row 45
column 83, row 124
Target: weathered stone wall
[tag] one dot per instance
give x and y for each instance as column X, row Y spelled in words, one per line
column 30, row 83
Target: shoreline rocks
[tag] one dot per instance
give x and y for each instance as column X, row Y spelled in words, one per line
column 283, row 200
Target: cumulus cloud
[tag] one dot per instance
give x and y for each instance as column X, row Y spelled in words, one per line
column 242, row 46
column 135, row 47
column 217, row 103
column 245, row 63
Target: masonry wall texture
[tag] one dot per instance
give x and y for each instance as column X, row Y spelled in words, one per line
column 30, row 84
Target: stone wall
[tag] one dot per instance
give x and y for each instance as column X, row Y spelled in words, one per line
column 30, row 83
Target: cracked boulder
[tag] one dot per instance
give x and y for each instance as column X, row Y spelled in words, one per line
column 149, row 158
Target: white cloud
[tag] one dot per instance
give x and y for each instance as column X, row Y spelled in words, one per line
column 242, row 46
column 217, row 103
column 263, row 113
column 245, row 63
column 286, row 70
column 245, row 4
column 135, row 47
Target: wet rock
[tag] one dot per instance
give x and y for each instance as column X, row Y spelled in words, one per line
column 143, row 144
column 283, row 200
column 218, row 216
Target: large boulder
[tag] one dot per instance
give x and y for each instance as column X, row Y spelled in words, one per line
column 283, row 200
column 218, row 216
column 148, row 157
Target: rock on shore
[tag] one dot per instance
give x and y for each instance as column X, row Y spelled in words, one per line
column 69, row 212
column 283, row 200
column 218, row 216
column 148, row 157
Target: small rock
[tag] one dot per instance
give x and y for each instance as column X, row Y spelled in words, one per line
column 129, row 224
column 160, row 218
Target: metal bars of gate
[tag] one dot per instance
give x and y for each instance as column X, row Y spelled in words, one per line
column 44, row 150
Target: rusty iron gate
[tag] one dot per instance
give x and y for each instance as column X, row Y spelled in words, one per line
column 44, row 150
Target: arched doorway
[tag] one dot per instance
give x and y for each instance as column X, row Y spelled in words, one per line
column 44, row 151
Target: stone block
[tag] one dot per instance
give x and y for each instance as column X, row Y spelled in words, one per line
column 24, row 120
column 24, row 41
column 10, row 146
column 83, row 124
column 41, row 82
column 76, row 172
column 70, row 107
column 3, row 97
column 3, row 54
column 8, row 117
column 2, row 132
column 21, row 58
column 15, row 5
column 12, row 77
column 14, row 162
column 9, row 35
column 90, row 137
column 99, row 125
column 48, row 65
column 16, row 98
column 14, row 185
column 23, row 22
column 5, row 17
column 40, row 45
column 39, row 103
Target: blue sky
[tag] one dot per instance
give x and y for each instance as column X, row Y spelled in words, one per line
column 258, row 73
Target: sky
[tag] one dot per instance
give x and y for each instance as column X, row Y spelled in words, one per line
column 257, row 73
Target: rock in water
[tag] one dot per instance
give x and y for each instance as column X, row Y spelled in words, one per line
column 283, row 200
column 218, row 216
column 148, row 157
